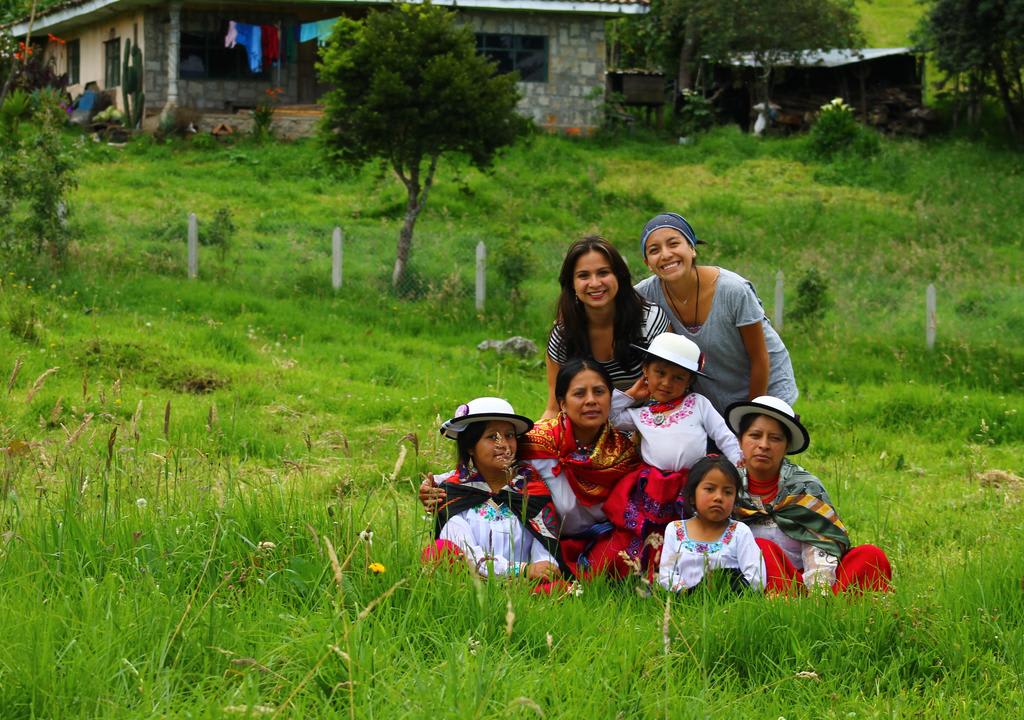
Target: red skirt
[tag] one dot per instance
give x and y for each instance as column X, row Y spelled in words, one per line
column 864, row 567
column 641, row 503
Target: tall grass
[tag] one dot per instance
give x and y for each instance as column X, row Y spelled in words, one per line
column 169, row 491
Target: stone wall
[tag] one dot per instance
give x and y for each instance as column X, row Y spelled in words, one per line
column 570, row 101
column 218, row 95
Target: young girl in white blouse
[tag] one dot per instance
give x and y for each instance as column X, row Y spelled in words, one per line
column 496, row 513
column 674, row 425
column 711, row 540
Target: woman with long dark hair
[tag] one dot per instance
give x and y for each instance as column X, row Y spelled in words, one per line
column 600, row 316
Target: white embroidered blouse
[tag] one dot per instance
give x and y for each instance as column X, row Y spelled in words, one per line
column 494, row 540
column 684, row 561
column 678, row 438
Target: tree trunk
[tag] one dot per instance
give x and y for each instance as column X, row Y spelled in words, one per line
column 684, row 78
column 412, row 210
column 1009, row 107
column 413, row 206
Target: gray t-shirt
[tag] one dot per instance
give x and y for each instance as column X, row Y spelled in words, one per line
column 735, row 304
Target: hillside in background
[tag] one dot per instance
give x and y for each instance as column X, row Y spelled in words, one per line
column 889, row 23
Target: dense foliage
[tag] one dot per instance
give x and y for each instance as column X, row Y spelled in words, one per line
column 979, row 44
column 408, row 88
column 836, row 131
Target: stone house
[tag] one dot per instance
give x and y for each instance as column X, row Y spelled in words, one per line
column 558, row 46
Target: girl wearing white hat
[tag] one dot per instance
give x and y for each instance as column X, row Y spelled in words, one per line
column 674, row 424
column 479, row 518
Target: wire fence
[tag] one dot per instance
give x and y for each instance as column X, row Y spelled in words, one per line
column 410, row 284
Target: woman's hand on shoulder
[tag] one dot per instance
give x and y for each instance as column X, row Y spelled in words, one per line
column 430, row 494
column 542, row 570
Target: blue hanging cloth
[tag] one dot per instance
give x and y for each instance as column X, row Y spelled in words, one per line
column 249, row 37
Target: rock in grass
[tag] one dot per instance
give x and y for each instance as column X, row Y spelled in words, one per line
column 515, row 345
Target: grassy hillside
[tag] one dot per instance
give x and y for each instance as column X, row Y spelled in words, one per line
column 889, row 23
column 187, row 424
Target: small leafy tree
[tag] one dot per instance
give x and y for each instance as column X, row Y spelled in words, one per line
column 410, row 87
column 37, row 172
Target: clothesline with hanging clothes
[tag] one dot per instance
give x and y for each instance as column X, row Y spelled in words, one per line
column 263, row 43
column 319, row 30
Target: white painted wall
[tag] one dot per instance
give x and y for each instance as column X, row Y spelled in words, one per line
column 127, row 26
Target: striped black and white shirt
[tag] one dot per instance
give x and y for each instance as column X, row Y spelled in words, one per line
column 655, row 322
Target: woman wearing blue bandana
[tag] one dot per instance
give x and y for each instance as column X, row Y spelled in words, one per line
column 720, row 311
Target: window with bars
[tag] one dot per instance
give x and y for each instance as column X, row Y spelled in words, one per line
column 73, row 48
column 527, row 54
column 112, row 63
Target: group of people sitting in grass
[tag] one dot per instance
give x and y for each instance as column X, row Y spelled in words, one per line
column 663, row 448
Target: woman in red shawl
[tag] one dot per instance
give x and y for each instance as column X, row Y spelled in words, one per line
column 581, row 457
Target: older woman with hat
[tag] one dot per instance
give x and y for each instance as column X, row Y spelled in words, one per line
column 494, row 512
column 717, row 309
column 803, row 541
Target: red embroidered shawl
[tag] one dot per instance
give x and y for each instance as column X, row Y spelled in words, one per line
column 592, row 476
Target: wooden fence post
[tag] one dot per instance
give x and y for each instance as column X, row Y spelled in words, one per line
column 336, row 251
column 481, row 275
column 778, row 300
column 929, row 311
column 193, row 247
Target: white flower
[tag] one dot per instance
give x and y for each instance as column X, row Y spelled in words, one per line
column 266, row 546
column 366, row 536
column 141, row 503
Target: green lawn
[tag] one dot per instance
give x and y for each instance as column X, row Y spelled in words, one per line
column 187, row 422
column 889, row 23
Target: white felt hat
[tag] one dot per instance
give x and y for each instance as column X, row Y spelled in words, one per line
column 484, row 409
column 676, row 349
column 775, row 408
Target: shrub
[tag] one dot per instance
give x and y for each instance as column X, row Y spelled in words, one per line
column 696, row 115
column 263, row 114
column 219, row 232
column 837, row 132
column 36, row 173
column 515, row 261
column 812, row 298
column 23, row 321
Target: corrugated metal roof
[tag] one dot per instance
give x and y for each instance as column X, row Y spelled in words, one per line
column 826, row 58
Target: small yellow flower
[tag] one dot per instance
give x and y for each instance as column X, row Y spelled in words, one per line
column 376, row 568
